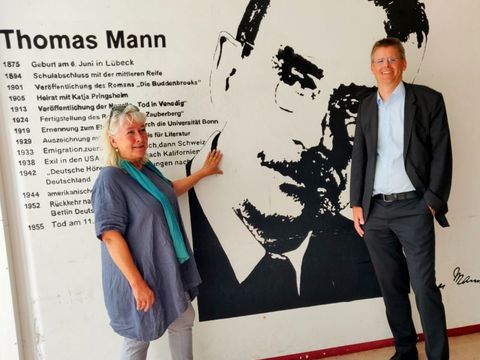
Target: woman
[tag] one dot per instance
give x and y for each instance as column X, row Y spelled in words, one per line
column 148, row 270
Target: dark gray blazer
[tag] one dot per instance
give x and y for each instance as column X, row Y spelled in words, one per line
column 427, row 150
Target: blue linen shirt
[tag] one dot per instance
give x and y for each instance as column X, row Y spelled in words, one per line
column 390, row 174
column 121, row 204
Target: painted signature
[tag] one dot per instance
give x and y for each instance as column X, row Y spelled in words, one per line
column 460, row 279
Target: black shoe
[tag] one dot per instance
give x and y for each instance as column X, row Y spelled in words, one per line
column 411, row 355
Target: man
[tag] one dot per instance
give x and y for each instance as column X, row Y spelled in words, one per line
column 273, row 235
column 400, row 180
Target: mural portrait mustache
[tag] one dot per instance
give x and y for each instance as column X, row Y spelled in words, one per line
column 274, row 233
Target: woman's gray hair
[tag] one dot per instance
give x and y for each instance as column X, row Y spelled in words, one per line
column 117, row 118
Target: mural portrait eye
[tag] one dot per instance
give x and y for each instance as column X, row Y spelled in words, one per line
column 298, row 78
column 293, row 68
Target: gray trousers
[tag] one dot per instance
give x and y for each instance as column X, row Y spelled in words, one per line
column 401, row 241
column 179, row 339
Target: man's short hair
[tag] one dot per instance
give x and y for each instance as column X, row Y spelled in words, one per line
column 389, row 42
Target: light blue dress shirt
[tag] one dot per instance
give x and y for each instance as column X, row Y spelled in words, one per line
column 390, row 174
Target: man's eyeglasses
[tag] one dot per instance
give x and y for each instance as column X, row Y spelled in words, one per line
column 391, row 60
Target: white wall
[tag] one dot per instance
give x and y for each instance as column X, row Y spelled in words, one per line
column 57, row 304
column 9, row 345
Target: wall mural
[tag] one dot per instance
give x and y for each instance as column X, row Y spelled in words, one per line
column 272, row 233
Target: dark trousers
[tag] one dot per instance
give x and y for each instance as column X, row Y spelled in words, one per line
column 401, row 241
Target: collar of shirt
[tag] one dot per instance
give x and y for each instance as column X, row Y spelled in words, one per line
column 399, row 92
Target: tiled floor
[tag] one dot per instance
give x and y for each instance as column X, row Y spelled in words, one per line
column 465, row 347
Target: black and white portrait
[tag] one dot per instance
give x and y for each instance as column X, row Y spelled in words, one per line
column 274, row 232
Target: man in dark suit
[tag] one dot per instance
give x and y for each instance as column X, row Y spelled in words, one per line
column 400, row 180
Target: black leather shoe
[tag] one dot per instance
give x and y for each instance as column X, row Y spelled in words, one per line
column 411, row 355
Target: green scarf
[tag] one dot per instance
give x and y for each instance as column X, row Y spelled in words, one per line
column 173, row 225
